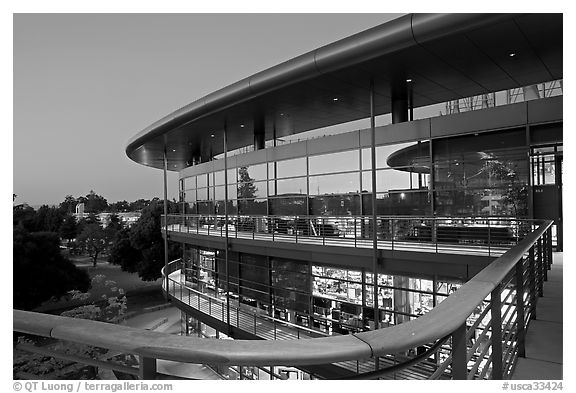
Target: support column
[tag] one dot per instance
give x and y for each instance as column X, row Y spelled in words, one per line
column 259, row 133
column 226, row 240
column 374, row 215
column 399, row 100
column 165, row 169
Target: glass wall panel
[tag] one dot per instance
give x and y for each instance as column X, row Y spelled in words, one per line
column 190, row 183
column 335, row 184
column 288, row 206
column 288, row 168
column 254, row 277
column 511, row 201
column 252, row 206
column 335, row 205
column 288, row 186
column 252, row 190
column 219, row 178
column 232, row 191
column 202, row 180
column 219, row 192
column 252, row 173
column 384, row 152
column 395, row 179
column 190, row 196
column 291, row 284
column 232, row 207
column 206, row 207
column 398, row 203
column 334, row 162
column 202, row 194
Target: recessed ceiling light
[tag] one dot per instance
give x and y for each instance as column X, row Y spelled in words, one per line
column 408, row 80
column 281, row 114
column 241, row 125
column 335, row 99
column 212, row 135
column 512, row 54
column 173, row 149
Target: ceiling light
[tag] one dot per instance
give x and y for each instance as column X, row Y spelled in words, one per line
column 212, row 135
column 173, row 149
column 408, row 80
column 335, row 99
column 512, row 54
column 281, row 114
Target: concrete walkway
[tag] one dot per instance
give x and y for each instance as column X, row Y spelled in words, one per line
column 544, row 338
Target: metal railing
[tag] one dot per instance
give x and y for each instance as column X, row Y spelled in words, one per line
column 478, row 332
column 480, row 235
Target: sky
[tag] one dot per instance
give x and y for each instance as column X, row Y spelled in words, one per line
column 84, row 84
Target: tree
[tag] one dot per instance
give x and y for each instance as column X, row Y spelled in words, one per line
column 119, row 207
column 146, row 237
column 69, row 228
column 246, row 187
column 24, row 216
column 48, row 219
column 69, row 204
column 93, row 240
column 123, row 253
column 41, row 272
column 95, row 203
column 138, row 205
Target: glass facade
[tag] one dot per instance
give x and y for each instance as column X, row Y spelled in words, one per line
column 327, row 298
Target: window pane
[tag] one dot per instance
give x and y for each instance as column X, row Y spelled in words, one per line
column 288, row 206
column 252, row 190
column 334, row 162
column 335, row 184
column 190, row 196
column 232, row 207
column 219, row 178
column 202, row 180
column 256, row 206
column 252, row 173
column 219, row 192
column 202, row 194
column 190, row 183
column 289, row 168
column 398, row 203
column 335, row 205
column 289, row 186
column 395, row 179
column 384, row 152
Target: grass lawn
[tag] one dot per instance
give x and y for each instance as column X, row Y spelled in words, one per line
column 139, row 293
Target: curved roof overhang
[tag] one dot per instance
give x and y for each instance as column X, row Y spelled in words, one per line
column 447, row 56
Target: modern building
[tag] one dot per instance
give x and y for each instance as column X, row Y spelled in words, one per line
column 358, row 229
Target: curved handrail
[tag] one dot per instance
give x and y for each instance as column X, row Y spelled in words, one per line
column 441, row 321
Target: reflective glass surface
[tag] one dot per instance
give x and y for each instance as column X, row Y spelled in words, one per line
column 335, row 184
column 288, row 186
column 288, row 168
column 334, row 162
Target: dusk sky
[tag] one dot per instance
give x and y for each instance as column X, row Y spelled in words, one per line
column 84, row 84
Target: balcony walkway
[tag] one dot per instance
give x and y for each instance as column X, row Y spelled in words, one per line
column 544, row 338
column 468, row 248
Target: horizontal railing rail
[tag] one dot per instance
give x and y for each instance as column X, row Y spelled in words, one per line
column 489, row 236
column 491, row 354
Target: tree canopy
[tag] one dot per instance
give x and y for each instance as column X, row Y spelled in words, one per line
column 41, row 271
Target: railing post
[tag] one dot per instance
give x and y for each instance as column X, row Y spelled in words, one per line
column 355, row 236
column 489, row 237
column 520, row 317
column 532, row 282
column 496, row 338
column 323, row 233
column 147, row 368
column 392, row 234
column 540, row 263
column 549, row 248
column 459, row 353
